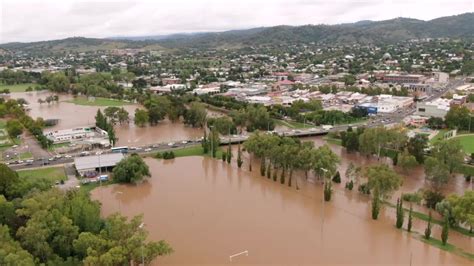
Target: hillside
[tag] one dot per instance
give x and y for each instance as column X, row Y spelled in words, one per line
column 393, row 30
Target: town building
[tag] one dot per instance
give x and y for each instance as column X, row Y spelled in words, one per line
column 403, row 78
column 75, row 134
column 437, row 108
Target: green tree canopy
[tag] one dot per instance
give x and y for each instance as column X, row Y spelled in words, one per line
column 131, row 170
column 382, row 179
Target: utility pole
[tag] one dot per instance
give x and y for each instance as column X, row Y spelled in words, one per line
column 143, row 257
column 212, row 141
column 322, row 205
column 120, row 207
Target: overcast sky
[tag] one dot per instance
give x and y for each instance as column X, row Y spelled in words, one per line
column 36, row 20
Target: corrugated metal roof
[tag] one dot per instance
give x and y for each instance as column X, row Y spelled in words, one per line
column 94, row 161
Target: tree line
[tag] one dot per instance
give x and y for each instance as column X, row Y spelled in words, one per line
column 41, row 225
column 20, row 120
column 440, row 160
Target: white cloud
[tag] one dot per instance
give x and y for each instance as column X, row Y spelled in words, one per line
column 33, row 20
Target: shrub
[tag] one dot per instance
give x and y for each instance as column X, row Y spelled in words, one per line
column 432, row 198
column 468, row 178
column 350, row 185
column 337, row 178
column 167, row 155
column 415, row 197
column 364, row 189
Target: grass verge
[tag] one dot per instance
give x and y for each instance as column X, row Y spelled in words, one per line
column 87, row 188
column 196, row 150
column 292, row 124
column 17, row 87
column 50, row 173
column 448, row 247
column 425, row 217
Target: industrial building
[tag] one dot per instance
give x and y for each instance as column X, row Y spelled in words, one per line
column 92, row 164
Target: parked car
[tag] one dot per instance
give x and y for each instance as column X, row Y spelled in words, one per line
column 147, row 149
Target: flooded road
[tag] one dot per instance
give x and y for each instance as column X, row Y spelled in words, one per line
column 208, row 210
column 71, row 115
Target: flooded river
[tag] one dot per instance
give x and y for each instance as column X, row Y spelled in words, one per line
column 208, row 210
column 71, row 115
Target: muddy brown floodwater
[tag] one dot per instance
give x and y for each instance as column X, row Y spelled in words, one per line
column 71, row 115
column 208, row 210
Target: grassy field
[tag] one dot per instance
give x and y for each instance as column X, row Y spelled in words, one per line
column 51, row 173
column 16, row 87
column 194, row 151
column 467, row 142
column 97, row 102
column 292, row 124
column 439, row 136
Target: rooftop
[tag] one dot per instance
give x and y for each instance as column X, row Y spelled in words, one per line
column 94, row 161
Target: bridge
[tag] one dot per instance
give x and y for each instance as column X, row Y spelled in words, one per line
column 235, row 139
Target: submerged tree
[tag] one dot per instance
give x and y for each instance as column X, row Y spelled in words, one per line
column 229, row 154
column 239, row 157
column 428, row 228
column 400, row 214
column 383, row 181
column 131, row 170
column 410, row 218
column 445, row 231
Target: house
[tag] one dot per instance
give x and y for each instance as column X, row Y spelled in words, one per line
column 282, row 85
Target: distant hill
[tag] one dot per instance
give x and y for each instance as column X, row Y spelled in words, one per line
column 393, row 30
column 387, row 31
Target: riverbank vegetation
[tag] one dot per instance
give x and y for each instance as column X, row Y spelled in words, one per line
column 43, row 225
column 131, row 169
column 281, row 156
column 14, row 110
column 97, row 101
